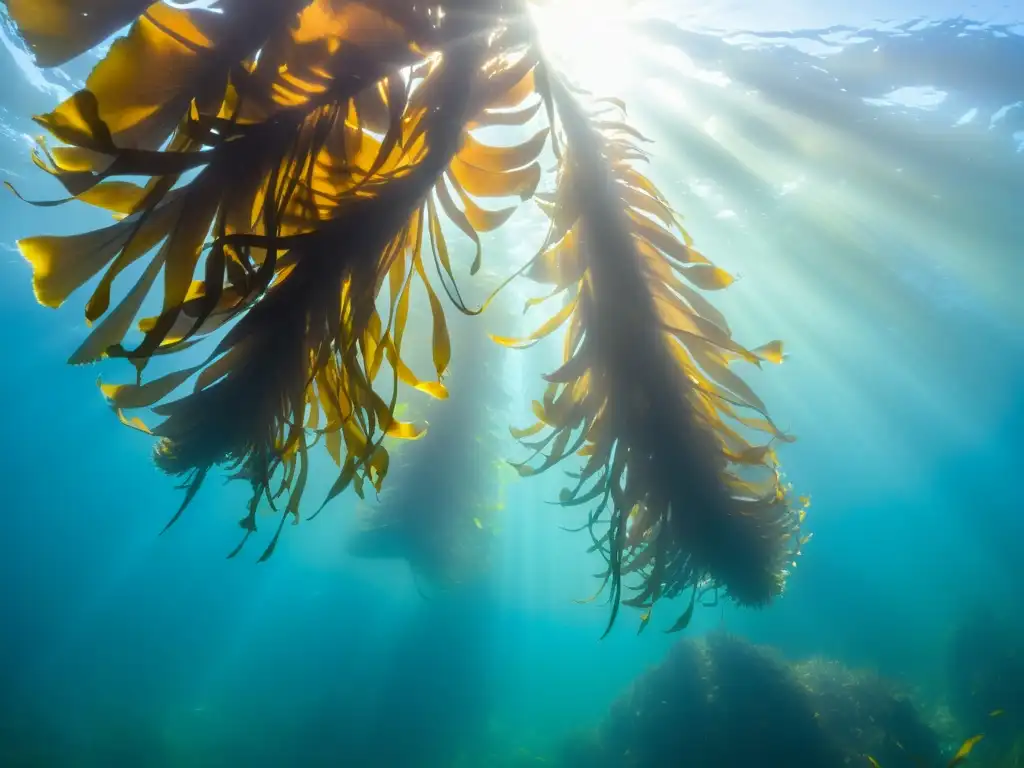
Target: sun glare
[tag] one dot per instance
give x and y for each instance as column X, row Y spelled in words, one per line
column 589, row 39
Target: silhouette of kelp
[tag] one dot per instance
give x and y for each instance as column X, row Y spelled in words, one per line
column 302, row 164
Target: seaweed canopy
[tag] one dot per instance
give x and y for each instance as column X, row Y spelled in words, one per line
column 295, row 159
column 440, row 509
column 646, row 393
column 304, row 157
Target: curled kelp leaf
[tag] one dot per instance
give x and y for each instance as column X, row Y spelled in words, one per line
column 646, row 393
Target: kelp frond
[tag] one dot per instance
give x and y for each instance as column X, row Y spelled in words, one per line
column 646, row 392
column 300, row 155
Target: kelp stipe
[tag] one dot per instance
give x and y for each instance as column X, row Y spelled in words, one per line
column 645, row 392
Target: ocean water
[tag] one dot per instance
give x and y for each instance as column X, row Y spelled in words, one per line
column 862, row 170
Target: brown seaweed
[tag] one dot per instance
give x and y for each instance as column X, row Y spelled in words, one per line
column 645, row 392
column 320, row 171
column 301, row 164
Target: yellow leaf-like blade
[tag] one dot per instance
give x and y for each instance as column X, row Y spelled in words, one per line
column 143, row 395
column 546, row 329
column 708, row 277
column 771, row 352
column 501, row 159
column 114, row 326
column 521, row 183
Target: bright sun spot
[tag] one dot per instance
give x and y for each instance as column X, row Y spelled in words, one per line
column 590, row 40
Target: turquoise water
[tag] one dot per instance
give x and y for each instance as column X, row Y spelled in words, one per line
column 866, row 180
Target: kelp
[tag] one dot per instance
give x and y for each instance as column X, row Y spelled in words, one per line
column 646, row 393
column 282, row 174
column 322, row 154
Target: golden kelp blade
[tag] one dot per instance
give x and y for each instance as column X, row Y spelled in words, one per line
column 317, row 173
column 646, row 393
column 965, row 750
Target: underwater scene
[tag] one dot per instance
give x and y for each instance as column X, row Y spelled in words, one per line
column 512, row 383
